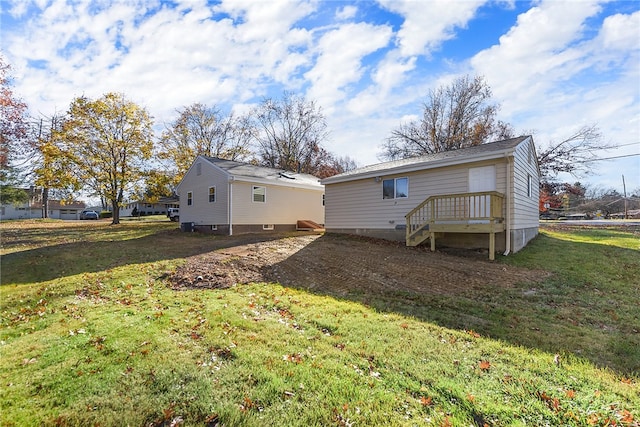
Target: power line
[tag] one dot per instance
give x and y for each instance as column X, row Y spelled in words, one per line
column 608, row 158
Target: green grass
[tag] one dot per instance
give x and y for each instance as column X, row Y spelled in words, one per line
column 92, row 335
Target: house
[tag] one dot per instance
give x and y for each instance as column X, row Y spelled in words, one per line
column 57, row 209
column 482, row 196
column 227, row 197
column 65, row 210
column 143, row 208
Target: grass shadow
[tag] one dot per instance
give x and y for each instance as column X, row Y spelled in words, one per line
column 587, row 310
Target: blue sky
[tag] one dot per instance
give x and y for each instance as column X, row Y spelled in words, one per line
column 553, row 66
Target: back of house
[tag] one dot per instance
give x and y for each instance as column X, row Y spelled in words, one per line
column 375, row 200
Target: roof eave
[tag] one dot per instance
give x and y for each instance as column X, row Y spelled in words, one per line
column 433, row 164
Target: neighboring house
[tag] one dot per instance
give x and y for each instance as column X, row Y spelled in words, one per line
column 227, row 197
column 65, row 210
column 143, row 208
column 30, row 209
column 482, row 196
column 33, row 208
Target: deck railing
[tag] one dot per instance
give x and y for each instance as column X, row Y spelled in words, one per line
column 466, row 212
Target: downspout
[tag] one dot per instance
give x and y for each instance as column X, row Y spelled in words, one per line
column 507, row 198
column 230, row 206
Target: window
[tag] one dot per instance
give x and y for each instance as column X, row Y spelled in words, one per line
column 198, row 169
column 212, row 194
column 395, row 188
column 529, row 186
column 189, row 198
column 259, row 194
column 267, row 227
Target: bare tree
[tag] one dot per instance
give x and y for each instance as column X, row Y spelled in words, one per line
column 290, row 133
column 575, row 155
column 203, row 130
column 456, row 116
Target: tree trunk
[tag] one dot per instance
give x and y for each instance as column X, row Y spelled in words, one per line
column 45, row 203
column 116, row 212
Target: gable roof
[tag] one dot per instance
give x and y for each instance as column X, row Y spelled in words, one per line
column 491, row 150
column 260, row 174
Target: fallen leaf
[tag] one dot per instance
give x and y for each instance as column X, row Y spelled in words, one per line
column 570, row 394
column 471, row 398
column 426, row 401
column 485, row 365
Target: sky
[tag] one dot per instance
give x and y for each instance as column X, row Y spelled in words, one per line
column 553, row 66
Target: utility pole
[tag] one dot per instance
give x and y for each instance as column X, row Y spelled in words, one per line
column 624, row 189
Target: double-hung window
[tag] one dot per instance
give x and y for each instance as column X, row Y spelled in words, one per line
column 212, row 194
column 189, row 198
column 259, row 194
column 396, row 188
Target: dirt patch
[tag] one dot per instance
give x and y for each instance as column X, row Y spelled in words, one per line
column 341, row 264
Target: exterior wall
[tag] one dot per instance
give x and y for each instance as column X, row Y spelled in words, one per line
column 201, row 211
column 283, row 205
column 358, row 205
column 19, row 212
column 525, row 208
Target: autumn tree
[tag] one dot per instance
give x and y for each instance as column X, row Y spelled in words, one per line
column 13, row 134
column 101, row 147
column 202, row 130
column 455, row 116
column 290, row 133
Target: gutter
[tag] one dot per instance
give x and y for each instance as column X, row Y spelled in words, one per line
column 507, row 243
column 230, row 205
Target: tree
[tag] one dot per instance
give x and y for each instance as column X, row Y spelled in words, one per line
column 101, row 147
column 290, row 133
column 574, row 155
column 13, row 133
column 203, row 130
column 456, row 116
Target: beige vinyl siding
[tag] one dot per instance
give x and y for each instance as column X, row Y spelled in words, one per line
column 283, row 205
column 203, row 212
column 359, row 204
column 525, row 208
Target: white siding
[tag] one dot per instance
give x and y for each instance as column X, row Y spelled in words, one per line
column 203, row 212
column 359, row 204
column 283, row 205
column 525, row 208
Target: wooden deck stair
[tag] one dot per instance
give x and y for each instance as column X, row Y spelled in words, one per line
column 308, row 225
column 456, row 213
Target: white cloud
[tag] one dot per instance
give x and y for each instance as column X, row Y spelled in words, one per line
column 427, row 24
column 346, row 13
column 339, row 62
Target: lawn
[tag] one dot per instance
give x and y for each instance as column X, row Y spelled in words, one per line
column 92, row 334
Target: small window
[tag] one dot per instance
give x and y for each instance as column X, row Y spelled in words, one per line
column 323, row 200
column 267, row 227
column 529, row 186
column 259, row 194
column 198, row 169
column 214, row 227
column 212, row 194
column 395, row 188
column 189, row 198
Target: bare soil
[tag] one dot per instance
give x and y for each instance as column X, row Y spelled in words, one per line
column 342, row 264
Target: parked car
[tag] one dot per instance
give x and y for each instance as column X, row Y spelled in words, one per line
column 89, row 215
column 173, row 214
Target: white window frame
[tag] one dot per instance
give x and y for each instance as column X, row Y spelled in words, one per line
column 214, row 194
column 529, row 185
column 395, row 188
column 253, row 194
column 268, row 226
column 189, row 198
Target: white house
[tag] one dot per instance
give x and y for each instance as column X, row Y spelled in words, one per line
column 31, row 209
column 227, row 197
column 482, row 196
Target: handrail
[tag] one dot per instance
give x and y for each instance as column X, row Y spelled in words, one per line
column 455, row 208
